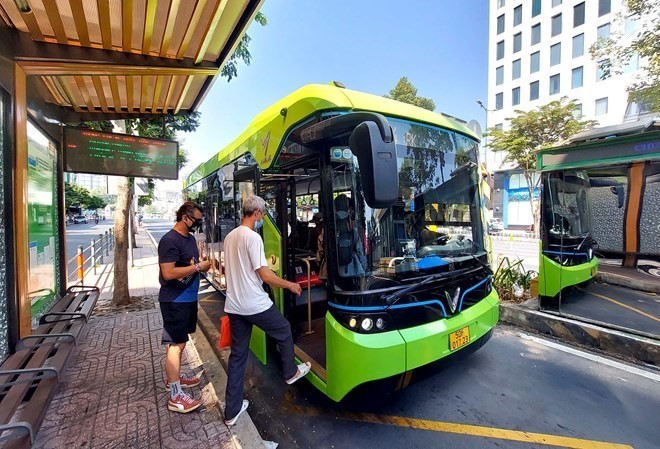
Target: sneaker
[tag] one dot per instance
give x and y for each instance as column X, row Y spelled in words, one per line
column 186, row 382
column 183, row 404
column 303, row 369
column 231, row 422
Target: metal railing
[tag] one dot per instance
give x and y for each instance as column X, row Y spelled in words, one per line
column 89, row 258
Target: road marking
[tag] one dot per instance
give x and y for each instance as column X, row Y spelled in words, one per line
column 593, row 357
column 462, row 429
column 606, row 298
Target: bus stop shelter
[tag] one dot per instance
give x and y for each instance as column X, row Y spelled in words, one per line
column 69, row 61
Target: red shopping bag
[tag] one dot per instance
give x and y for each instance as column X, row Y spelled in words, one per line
column 225, row 333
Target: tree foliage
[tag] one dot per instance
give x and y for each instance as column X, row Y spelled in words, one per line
column 616, row 52
column 75, row 195
column 535, row 130
column 242, row 52
column 405, row 92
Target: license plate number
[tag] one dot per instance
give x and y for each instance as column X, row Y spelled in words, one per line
column 459, row 338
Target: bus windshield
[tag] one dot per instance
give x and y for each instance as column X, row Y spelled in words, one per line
column 567, row 210
column 436, row 220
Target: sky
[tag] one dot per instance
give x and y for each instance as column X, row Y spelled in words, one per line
column 368, row 45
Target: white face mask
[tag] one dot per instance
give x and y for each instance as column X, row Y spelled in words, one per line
column 259, row 224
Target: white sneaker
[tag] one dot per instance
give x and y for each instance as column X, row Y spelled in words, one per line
column 303, row 369
column 231, row 422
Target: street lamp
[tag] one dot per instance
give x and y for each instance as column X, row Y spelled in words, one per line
column 480, row 103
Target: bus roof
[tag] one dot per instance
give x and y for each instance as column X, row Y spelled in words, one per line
column 266, row 133
column 600, row 153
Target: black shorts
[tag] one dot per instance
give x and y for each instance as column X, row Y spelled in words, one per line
column 179, row 320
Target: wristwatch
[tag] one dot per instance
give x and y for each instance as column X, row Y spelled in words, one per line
column 196, row 265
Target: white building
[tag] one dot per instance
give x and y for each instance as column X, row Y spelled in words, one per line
column 539, row 52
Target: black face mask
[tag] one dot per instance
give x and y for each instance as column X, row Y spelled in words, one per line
column 197, row 224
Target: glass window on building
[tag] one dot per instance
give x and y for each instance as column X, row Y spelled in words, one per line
column 556, row 3
column 555, row 54
column 603, row 31
column 534, row 91
column 555, row 86
column 555, row 28
column 576, row 77
column 577, row 112
column 601, row 106
column 578, row 15
column 601, row 69
column 501, row 3
column 536, row 34
column 500, row 49
column 517, row 42
column 578, row 45
column 517, row 15
column 633, row 63
column 535, row 62
column 499, row 101
column 500, row 24
column 536, row 7
column 499, row 75
column 515, row 96
column 515, row 69
column 604, row 7
column 632, row 24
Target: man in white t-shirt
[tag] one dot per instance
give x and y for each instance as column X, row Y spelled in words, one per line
column 248, row 304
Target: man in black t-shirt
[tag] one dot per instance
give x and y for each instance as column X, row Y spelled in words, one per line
column 178, row 259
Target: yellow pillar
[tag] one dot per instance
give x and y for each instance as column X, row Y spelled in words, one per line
column 22, row 261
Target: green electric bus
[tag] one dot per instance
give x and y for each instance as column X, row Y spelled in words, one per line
column 395, row 192
column 599, row 195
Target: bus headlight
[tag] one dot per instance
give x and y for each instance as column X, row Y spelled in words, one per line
column 380, row 324
column 352, row 322
column 367, row 324
column 590, row 253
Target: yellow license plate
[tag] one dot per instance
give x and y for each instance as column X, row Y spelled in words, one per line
column 459, row 338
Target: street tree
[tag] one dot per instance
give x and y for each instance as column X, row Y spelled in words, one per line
column 75, row 195
column 242, row 52
column 535, row 130
column 616, row 52
column 405, row 92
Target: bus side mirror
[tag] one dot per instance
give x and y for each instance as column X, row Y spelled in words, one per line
column 618, row 191
column 378, row 168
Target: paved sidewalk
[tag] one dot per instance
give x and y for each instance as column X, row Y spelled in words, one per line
column 111, row 394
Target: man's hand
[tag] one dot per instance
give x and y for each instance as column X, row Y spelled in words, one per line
column 204, row 265
column 295, row 288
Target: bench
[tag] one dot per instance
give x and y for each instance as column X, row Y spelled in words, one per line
column 29, row 377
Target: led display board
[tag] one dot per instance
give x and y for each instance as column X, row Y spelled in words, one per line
column 89, row 151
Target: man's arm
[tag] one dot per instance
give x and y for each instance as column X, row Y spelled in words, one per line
column 274, row 280
column 170, row 271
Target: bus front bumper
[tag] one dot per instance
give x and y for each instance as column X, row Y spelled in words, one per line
column 354, row 359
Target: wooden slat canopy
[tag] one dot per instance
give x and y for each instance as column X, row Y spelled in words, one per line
column 124, row 57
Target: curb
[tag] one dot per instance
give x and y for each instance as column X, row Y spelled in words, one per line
column 616, row 343
column 623, row 281
column 244, row 435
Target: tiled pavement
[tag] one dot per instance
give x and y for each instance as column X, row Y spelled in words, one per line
column 112, row 393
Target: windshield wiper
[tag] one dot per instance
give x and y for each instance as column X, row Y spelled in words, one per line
column 485, row 266
column 583, row 240
column 394, row 297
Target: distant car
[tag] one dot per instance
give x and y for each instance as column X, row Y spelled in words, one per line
column 496, row 225
column 79, row 219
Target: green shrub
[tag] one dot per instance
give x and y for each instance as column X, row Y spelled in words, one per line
column 512, row 281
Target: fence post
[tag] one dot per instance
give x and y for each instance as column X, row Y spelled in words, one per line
column 101, row 248
column 93, row 249
column 107, row 242
column 112, row 238
column 81, row 261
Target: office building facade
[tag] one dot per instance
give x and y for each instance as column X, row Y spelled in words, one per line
column 539, row 52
